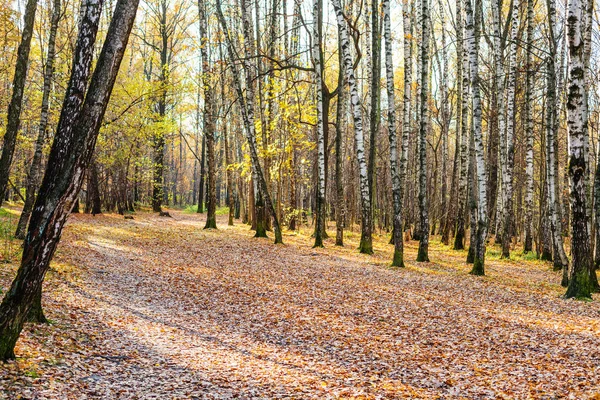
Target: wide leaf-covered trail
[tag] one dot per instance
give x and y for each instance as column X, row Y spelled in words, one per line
column 160, row 308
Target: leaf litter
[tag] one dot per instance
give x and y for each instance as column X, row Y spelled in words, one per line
column 162, row 309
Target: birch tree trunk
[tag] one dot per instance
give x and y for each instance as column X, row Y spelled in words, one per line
column 462, row 58
column 320, row 192
column 473, row 28
column 507, row 181
column 444, row 128
column 375, row 102
column 75, row 137
column 209, row 118
column 528, row 245
column 16, row 102
column 366, row 240
column 423, row 252
column 552, row 123
column 34, row 172
column 340, row 208
column 580, row 281
column 398, row 259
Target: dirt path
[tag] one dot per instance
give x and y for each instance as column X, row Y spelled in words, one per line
column 157, row 308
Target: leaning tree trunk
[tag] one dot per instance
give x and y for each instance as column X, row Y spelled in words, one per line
column 473, row 29
column 34, row 171
column 423, row 252
column 320, row 192
column 71, row 151
column 16, row 101
column 398, row 259
column 209, row 119
column 582, row 276
column 507, row 182
column 366, row 240
column 247, row 109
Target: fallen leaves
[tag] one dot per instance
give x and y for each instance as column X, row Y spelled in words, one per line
column 159, row 308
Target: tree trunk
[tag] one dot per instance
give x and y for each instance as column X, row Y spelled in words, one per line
column 209, row 119
column 16, row 101
column 366, row 241
column 320, row 192
column 581, row 281
column 473, row 28
column 34, row 171
column 423, row 252
column 528, row 244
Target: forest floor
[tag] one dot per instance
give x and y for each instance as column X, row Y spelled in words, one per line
column 158, row 308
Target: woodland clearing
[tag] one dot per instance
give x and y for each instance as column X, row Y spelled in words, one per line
column 160, row 308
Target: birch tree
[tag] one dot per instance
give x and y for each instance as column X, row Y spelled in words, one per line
column 320, row 192
column 16, row 102
column 552, row 123
column 398, row 259
column 528, row 244
column 582, row 274
column 507, row 181
column 34, row 172
column 366, row 240
column 208, row 118
column 473, row 29
column 423, row 252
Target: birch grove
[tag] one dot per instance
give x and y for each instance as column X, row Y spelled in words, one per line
column 430, row 132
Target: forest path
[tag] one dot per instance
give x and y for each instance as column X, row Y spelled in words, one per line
column 159, row 308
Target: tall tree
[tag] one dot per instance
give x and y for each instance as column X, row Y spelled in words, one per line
column 509, row 161
column 34, row 172
column 71, row 152
column 208, row 118
column 320, row 192
column 16, row 102
column 473, row 30
column 398, row 259
column 423, row 253
column 366, row 240
column 581, row 282
column 528, row 244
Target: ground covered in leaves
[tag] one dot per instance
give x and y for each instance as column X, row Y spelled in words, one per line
column 158, row 308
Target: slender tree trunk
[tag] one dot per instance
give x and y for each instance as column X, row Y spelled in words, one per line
column 473, row 29
column 209, row 119
column 320, row 192
column 423, row 253
column 75, row 136
column 528, row 245
column 34, row 171
column 375, row 104
column 340, row 209
column 366, row 241
column 552, row 122
column 16, row 102
column 398, row 259
column 463, row 72
column 507, row 182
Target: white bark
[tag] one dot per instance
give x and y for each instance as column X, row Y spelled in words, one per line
column 356, row 107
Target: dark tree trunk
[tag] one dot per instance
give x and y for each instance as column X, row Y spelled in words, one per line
column 34, row 171
column 16, row 101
